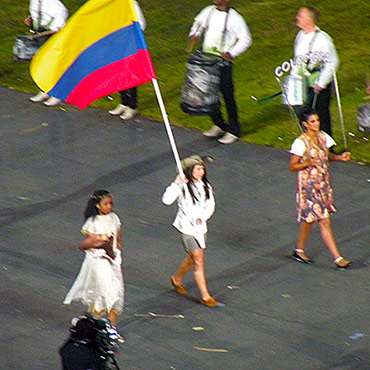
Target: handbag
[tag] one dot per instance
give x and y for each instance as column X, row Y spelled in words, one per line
column 25, row 46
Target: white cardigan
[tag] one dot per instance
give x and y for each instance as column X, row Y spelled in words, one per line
column 188, row 212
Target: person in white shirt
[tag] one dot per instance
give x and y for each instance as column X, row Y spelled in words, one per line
column 46, row 18
column 310, row 157
column 196, row 204
column 316, row 61
column 127, row 109
column 226, row 34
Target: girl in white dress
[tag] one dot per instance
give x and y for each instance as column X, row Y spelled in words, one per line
column 99, row 284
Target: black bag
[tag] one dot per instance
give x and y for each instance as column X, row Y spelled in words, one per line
column 200, row 92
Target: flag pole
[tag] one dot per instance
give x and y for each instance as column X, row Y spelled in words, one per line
column 339, row 105
column 293, row 114
column 168, row 128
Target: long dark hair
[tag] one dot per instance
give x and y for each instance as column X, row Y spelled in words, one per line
column 305, row 113
column 188, row 172
column 91, row 208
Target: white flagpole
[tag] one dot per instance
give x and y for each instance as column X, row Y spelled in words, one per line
column 168, row 128
column 341, row 120
column 293, row 114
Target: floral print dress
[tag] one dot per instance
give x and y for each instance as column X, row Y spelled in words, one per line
column 314, row 197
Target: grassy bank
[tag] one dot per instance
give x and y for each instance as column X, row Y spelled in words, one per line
column 272, row 24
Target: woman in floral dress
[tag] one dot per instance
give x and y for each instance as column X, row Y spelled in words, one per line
column 310, row 156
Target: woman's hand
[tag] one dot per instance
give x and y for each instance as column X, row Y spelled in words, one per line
column 346, row 156
column 198, row 221
column 180, row 180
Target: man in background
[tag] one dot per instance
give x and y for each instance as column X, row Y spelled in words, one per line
column 46, row 18
column 128, row 107
column 226, row 34
column 315, row 61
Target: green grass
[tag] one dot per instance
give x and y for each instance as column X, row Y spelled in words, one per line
column 272, row 24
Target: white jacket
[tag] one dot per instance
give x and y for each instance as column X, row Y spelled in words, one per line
column 188, row 212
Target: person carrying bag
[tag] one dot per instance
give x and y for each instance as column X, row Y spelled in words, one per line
column 45, row 19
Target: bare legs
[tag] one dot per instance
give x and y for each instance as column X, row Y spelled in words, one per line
column 326, row 235
column 112, row 316
column 305, row 229
column 194, row 260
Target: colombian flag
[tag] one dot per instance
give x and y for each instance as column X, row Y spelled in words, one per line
column 99, row 51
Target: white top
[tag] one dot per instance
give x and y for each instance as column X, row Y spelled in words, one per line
column 299, row 147
column 237, row 38
column 318, row 49
column 188, row 212
column 54, row 14
column 140, row 15
column 103, row 225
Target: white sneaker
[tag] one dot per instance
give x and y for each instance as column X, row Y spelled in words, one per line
column 228, row 138
column 118, row 110
column 128, row 114
column 52, row 102
column 215, row 131
column 40, row 97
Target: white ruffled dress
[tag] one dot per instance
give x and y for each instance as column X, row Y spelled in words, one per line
column 99, row 284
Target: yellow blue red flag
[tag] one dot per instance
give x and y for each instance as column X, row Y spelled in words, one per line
column 99, row 51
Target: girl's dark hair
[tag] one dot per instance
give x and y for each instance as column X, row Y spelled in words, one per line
column 96, row 197
column 305, row 113
column 188, row 172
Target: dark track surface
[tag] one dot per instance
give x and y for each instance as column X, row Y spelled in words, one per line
column 279, row 314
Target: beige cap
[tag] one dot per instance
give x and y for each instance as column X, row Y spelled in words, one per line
column 194, row 160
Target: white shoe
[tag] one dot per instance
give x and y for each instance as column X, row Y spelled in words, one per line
column 228, row 138
column 52, row 102
column 40, row 97
column 215, row 131
column 118, row 110
column 128, row 114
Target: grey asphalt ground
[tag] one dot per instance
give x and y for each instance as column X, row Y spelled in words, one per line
column 279, row 314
